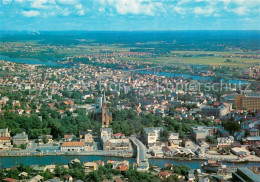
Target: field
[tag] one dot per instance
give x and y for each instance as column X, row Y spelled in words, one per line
column 198, row 60
column 238, row 49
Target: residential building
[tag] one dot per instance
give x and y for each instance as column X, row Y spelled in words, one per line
column 224, row 142
column 254, row 132
column 20, row 139
column 86, row 137
column 69, row 138
column 249, row 124
column 73, row 147
column 5, row 143
column 173, row 139
column 48, row 139
column 247, row 102
column 199, row 133
column 245, row 174
column 121, row 165
column 152, row 135
column 90, row 166
column 224, row 133
column 251, row 140
column 4, row 132
column 219, row 110
column 116, row 144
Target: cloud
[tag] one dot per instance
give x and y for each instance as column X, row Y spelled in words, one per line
column 203, row 11
column 68, row 1
column 136, row 7
column 81, row 12
column 180, row 10
column 240, row 10
column 30, row 13
column 65, row 12
column 80, row 9
column 7, row 1
column 41, row 4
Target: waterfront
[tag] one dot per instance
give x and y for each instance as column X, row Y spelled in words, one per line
column 6, row 162
column 28, row 61
column 167, row 74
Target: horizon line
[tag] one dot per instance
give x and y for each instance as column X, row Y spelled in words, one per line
column 125, row 30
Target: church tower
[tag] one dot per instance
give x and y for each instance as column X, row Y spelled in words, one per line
column 103, row 115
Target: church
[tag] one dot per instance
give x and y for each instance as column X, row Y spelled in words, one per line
column 102, row 112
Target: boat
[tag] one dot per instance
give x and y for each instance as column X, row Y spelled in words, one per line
column 213, row 166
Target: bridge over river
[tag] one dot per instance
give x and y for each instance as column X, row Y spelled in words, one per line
column 141, row 158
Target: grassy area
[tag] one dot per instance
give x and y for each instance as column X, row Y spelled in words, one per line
column 33, row 49
column 207, row 60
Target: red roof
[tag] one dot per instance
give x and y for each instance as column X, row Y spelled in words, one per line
column 226, row 104
column 118, row 134
column 216, row 103
column 118, row 180
column 73, row 144
column 166, row 165
column 164, row 173
column 67, row 136
column 10, row 180
column 5, row 138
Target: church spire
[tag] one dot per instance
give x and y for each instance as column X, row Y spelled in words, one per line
column 104, row 97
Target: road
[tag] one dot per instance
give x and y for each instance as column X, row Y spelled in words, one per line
column 142, row 160
column 141, row 149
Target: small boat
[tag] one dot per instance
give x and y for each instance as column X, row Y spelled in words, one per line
column 213, row 166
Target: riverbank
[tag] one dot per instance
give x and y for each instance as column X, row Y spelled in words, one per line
column 162, row 73
column 6, row 162
column 248, row 159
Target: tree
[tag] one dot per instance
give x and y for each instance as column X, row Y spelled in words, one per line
column 45, row 139
column 93, row 177
column 23, row 146
column 164, row 135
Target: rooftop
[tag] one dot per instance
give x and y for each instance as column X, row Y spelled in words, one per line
column 73, row 144
column 20, row 135
column 249, row 173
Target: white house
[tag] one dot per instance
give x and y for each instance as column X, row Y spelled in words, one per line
column 151, row 135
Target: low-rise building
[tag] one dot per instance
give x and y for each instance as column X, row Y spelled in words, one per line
column 219, row 110
column 173, row 139
column 48, row 139
column 152, row 135
column 199, row 133
column 87, row 136
column 251, row 140
column 245, row 174
column 20, row 139
column 116, row 144
column 4, row 132
column 224, row 142
column 106, row 133
column 90, row 166
column 239, row 151
column 73, row 147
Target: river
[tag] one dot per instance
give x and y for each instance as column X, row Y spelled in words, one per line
column 6, row 162
column 28, row 61
column 51, row 63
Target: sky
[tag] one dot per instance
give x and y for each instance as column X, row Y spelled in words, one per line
column 129, row 15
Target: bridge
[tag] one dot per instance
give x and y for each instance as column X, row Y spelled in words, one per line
column 165, row 64
column 141, row 158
